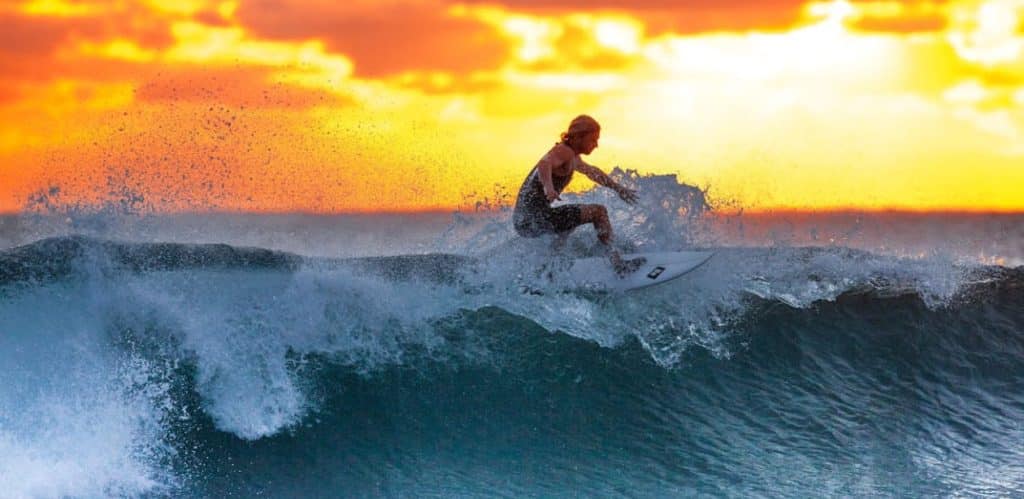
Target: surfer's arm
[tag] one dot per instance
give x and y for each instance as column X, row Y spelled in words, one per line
column 553, row 158
column 601, row 178
column 544, row 170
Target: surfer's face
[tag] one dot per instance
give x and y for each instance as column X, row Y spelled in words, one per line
column 590, row 142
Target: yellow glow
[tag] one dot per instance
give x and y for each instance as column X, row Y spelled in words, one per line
column 435, row 79
column 30, row 123
column 878, row 9
column 201, row 43
column 179, row 7
column 968, row 92
column 833, row 12
column 93, row 97
column 832, row 112
column 121, row 49
column 61, row 8
column 821, row 52
column 619, row 34
column 536, row 37
column 227, row 9
column 999, row 123
column 881, row 9
column 588, row 82
column 992, row 38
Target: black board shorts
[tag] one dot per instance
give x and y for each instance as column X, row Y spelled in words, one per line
column 539, row 220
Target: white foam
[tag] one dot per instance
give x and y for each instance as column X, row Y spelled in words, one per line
column 73, row 419
column 702, row 308
column 243, row 328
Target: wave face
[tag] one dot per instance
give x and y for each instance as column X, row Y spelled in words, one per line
column 247, row 355
column 195, row 370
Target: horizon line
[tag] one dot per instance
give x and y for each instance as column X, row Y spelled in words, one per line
column 780, row 211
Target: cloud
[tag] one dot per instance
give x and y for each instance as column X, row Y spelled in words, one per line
column 577, row 46
column 442, row 83
column 688, row 17
column 904, row 24
column 30, row 46
column 913, row 16
column 382, row 39
column 10, row 91
column 147, row 28
column 679, row 16
column 32, row 36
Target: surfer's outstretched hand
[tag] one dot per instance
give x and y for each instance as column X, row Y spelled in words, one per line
column 628, row 195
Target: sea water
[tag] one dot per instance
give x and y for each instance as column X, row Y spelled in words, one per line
column 216, row 355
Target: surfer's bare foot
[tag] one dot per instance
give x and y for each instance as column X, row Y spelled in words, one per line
column 626, row 267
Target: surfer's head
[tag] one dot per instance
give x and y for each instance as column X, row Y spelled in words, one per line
column 582, row 134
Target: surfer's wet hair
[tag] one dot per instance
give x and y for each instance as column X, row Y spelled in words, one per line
column 578, row 129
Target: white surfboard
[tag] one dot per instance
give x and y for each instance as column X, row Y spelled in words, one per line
column 597, row 273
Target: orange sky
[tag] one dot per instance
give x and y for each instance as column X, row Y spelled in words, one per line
column 319, row 105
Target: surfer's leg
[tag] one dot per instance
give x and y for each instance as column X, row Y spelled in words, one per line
column 598, row 215
column 565, row 218
column 533, row 222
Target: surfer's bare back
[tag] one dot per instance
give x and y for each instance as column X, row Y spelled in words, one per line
column 534, row 216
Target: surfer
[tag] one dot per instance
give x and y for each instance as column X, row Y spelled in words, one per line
column 534, row 216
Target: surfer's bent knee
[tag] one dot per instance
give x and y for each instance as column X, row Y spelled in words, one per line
column 593, row 213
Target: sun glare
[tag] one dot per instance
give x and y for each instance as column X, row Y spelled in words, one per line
column 619, row 34
column 535, row 36
column 993, row 37
column 832, row 13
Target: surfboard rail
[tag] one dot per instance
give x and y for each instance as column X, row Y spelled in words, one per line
column 660, row 267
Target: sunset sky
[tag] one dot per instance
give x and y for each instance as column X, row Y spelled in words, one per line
column 331, row 106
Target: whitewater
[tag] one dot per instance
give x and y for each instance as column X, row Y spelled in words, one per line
column 219, row 355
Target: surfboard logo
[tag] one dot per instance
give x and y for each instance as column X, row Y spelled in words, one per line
column 656, row 272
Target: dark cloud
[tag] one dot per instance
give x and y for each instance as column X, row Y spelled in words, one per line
column 40, row 34
column 382, row 39
column 36, row 69
column 29, row 44
column 31, row 36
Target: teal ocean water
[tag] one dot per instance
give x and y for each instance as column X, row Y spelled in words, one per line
column 303, row 356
